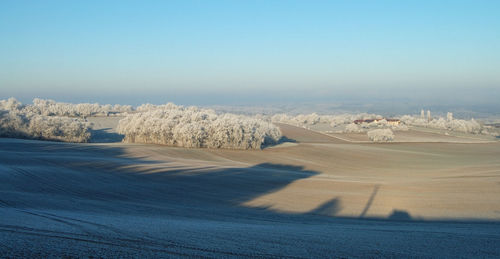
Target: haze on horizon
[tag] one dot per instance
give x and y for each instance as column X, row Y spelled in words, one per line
column 258, row 52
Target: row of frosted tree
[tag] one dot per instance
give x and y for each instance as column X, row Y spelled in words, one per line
column 159, row 124
column 198, row 128
column 379, row 129
column 26, row 121
column 53, row 108
column 346, row 122
column 180, row 126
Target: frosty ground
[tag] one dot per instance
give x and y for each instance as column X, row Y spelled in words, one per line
column 315, row 196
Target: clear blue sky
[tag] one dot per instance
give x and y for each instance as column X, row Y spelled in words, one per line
column 191, row 51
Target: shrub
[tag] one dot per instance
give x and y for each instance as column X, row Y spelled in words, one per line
column 352, row 128
column 380, row 135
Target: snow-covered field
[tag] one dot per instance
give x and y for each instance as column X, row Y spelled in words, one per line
column 320, row 197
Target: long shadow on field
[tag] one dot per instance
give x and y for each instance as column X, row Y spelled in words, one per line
column 329, row 208
column 96, row 178
column 105, row 179
column 370, row 201
column 105, row 136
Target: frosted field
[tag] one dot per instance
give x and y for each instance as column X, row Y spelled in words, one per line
column 419, row 136
column 317, row 196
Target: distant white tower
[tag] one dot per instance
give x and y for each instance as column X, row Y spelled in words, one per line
column 449, row 116
column 422, row 114
column 428, row 115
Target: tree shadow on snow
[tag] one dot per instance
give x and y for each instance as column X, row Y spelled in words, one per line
column 105, row 136
column 97, row 178
column 87, row 177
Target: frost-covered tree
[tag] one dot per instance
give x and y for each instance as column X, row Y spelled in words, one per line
column 174, row 125
column 53, row 108
column 380, row 135
column 450, row 124
column 11, row 104
column 449, row 116
column 303, row 120
column 29, row 125
column 352, row 128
